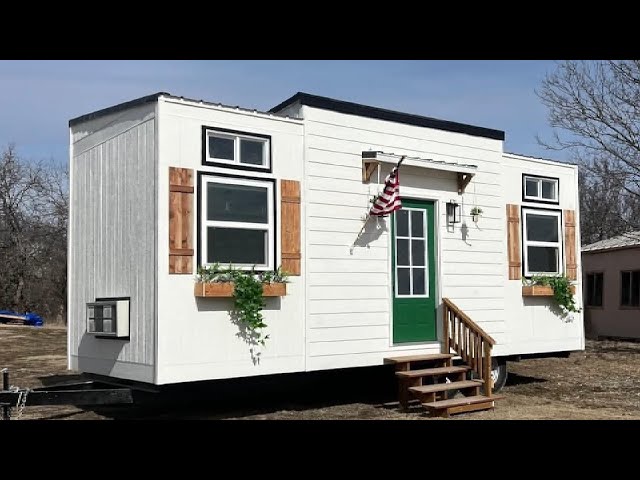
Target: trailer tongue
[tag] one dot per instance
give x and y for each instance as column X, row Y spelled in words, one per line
column 87, row 392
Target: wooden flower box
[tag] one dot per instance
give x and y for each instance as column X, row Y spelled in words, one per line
column 540, row 290
column 225, row 289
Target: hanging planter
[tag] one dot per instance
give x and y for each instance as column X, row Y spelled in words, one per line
column 476, row 212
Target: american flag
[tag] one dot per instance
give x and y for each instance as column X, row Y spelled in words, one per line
column 389, row 200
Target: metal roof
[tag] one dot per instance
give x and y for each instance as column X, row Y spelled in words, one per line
column 626, row 240
column 351, row 108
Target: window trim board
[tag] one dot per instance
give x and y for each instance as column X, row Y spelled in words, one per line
column 200, row 213
column 235, row 165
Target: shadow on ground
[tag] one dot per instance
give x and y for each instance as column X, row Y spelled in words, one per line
column 241, row 397
column 513, row 379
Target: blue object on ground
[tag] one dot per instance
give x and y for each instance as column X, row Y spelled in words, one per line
column 32, row 319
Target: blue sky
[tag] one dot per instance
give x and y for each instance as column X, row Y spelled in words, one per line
column 37, row 98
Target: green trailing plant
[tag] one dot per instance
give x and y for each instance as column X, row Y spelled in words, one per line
column 561, row 286
column 476, row 211
column 247, row 293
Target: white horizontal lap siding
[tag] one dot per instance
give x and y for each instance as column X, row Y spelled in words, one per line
column 196, row 338
column 112, row 244
column 348, row 304
column 531, row 326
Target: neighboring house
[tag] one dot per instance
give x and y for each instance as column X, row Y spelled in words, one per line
column 163, row 184
column 611, row 276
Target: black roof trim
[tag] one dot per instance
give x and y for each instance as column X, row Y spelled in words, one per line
column 116, row 108
column 351, row 108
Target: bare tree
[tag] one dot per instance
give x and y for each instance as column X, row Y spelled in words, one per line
column 594, row 108
column 33, row 226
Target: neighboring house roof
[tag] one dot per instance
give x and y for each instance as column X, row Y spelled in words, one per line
column 626, row 240
column 350, row 108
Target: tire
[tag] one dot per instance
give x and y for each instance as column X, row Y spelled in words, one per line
column 498, row 374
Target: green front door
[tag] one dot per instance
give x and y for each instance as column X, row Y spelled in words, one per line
column 414, row 277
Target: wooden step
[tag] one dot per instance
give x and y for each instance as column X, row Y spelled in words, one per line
column 432, row 371
column 441, row 387
column 419, row 358
column 461, row 405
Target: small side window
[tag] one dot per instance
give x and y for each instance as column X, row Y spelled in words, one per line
column 540, row 189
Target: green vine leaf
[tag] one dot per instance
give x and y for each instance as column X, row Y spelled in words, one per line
column 561, row 286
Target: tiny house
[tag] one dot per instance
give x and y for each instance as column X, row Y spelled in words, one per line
column 163, row 184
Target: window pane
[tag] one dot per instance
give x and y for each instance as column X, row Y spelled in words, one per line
column 403, row 251
column 625, row 291
column 635, row 288
column 237, row 203
column 598, row 289
column 402, row 223
column 531, row 187
column 417, row 224
column 549, row 190
column 404, row 287
column 590, row 289
column 107, row 326
column 417, row 252
column 252, row 152
column 543, row 259
column 418, row 281
column 237, row 246
column 542, row 228
column 221, row 148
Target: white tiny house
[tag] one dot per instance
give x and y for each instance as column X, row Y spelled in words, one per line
column 163, row 184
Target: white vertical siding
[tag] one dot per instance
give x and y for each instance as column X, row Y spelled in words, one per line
column 349, row 291
column 112, row 239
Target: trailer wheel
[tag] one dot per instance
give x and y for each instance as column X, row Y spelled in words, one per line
column 498, row 374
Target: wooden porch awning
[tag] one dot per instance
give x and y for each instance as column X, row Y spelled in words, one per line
column 371, row 159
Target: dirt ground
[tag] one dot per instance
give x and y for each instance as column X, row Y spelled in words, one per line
column 601, row 383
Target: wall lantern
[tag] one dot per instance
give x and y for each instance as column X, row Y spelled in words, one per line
column 453, row 212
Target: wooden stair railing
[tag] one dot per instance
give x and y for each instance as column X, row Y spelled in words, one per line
column 467, row 339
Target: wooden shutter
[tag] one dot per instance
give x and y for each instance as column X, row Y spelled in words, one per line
column 570, row 244
column 181, row 193
column 513, row 241
column 290, row 225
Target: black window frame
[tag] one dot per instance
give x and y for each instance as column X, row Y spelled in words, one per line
column 236, row 165
column 540, row 200
column 631, row 304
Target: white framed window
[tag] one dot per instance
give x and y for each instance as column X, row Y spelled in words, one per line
column 231, row 148
column 412, row 268
column 237, row 222
column 540, row 189
column 542, row 242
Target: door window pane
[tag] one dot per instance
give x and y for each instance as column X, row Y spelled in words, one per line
column 419, row 281
column 237, row 246
column 237, row 203
column 402, row 223
column 417, row 224
column 404, row 285
column 222, row 148
column 403, row 251
column 417, row 252
column 543, row 259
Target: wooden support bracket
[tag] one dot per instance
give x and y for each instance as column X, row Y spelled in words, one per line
column 368, row 167
column 463, row 181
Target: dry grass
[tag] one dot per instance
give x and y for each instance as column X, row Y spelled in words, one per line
column 601, row 383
